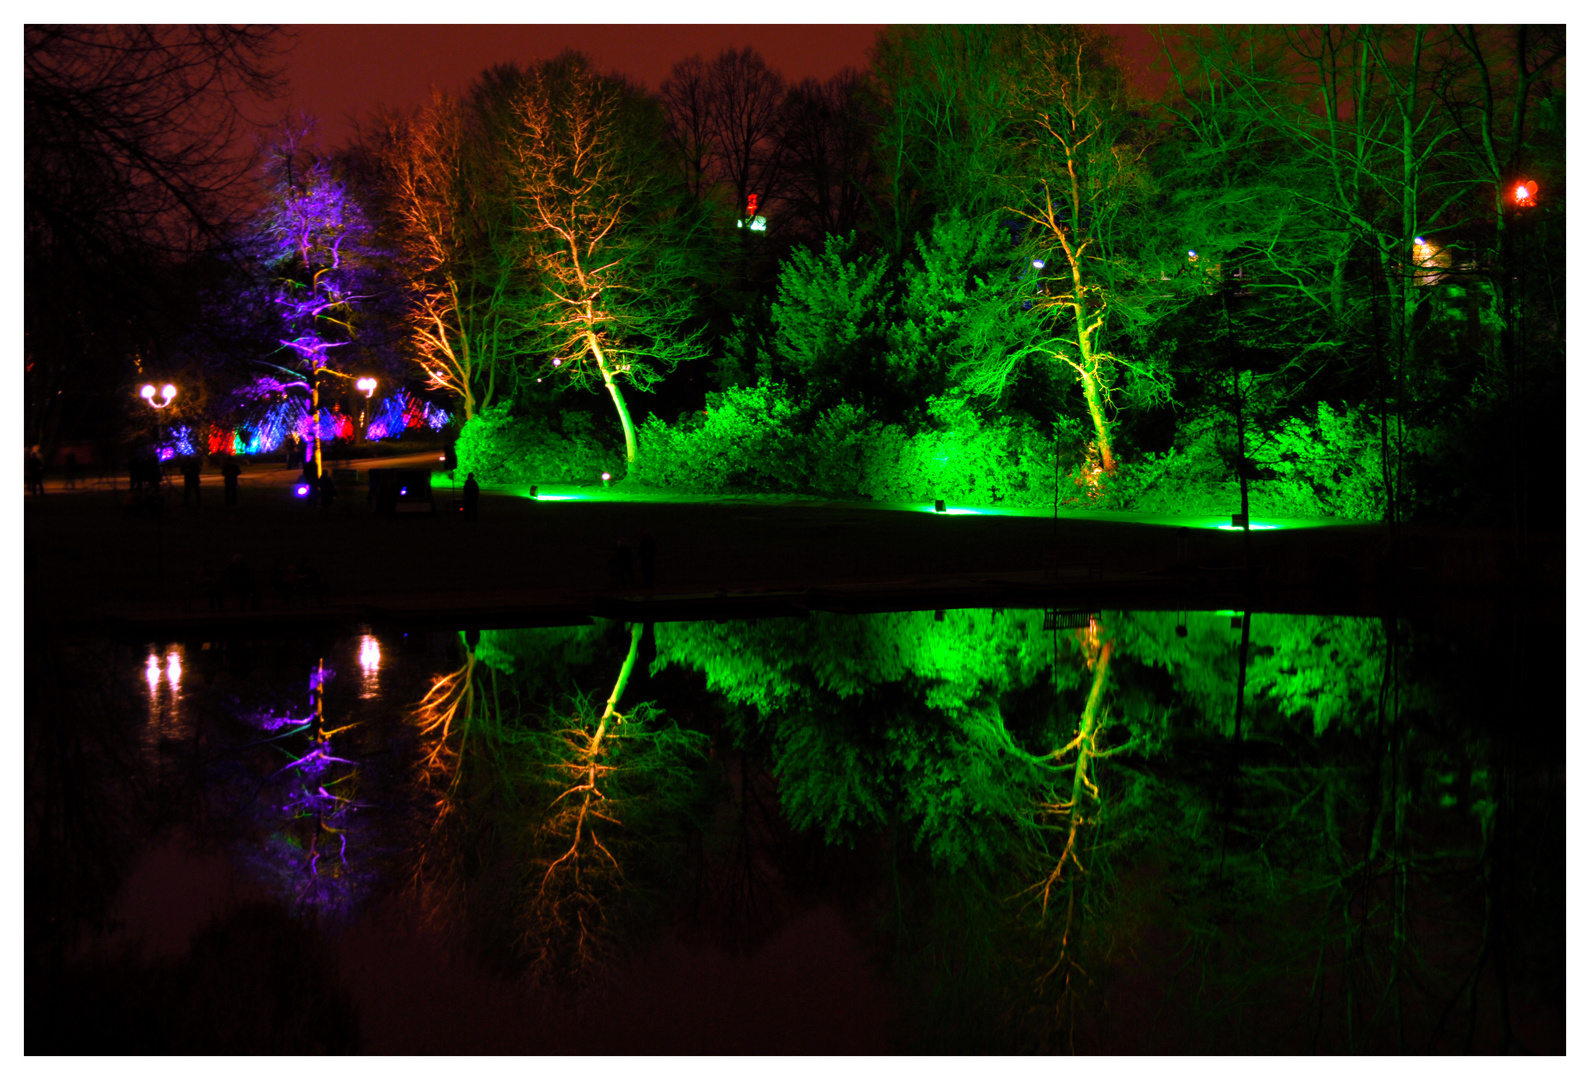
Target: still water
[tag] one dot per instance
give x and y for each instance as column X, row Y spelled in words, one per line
column 964, row 831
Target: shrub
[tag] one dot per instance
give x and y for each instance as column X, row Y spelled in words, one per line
column 747, row 441
column 1335, row 459
column 503, row 449
column 964, row 457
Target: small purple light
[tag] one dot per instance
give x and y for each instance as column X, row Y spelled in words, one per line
column 301, row 490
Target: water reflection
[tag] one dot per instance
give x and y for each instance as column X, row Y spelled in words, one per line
column 165, row 724
column 370, row 666
column 1130, row 831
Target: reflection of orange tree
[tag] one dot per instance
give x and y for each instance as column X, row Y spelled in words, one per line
column 1074, row 811
column 613, row 778
column 620, row 781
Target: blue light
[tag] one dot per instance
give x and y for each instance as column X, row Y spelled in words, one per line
column 1037, row 264
column 301, row 490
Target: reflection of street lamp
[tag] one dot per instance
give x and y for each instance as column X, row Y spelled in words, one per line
column 1516, row 254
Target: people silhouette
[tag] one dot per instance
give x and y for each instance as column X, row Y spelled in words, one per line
column 471, row 498
column 34, row 472
column 230, row 470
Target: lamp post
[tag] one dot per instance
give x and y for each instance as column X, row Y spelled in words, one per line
column 168, row 394
column 1522, row 193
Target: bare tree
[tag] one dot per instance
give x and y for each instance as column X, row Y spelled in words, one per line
column 827, row 154
column 724, row 119
column 134, row 159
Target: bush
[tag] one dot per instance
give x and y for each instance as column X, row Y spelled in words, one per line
column 503, row 449
column 963, row 457
column 747, row 441
column 1336, row 460
column 752, row 439
column 1325, row 467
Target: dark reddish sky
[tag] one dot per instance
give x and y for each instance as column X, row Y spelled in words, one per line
column 338, row 72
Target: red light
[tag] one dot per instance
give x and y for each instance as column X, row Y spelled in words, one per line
column 750, row 206
column 1524, row 192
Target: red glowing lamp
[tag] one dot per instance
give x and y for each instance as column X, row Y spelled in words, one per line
column 1524, row 192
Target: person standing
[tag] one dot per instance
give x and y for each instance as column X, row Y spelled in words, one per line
column 230, row 470
column 471, row 498
column 34, row 469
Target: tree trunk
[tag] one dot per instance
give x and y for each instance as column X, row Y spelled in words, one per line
column 1090, row 391
column 618, row 398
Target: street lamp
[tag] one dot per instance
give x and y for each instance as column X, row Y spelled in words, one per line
column 167, row 393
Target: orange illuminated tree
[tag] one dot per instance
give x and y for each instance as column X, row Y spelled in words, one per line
column 1082, row 173
column 610, row 256
column 461, row 254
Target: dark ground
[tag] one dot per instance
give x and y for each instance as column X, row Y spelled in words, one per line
column 90, row 567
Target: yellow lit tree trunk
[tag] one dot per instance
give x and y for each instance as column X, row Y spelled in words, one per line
column 617, row 394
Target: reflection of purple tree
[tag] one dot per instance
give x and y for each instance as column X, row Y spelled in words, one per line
column 305, row 856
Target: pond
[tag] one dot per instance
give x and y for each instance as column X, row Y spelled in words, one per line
column 961, row 831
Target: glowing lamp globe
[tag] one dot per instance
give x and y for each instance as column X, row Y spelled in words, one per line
column 1524, row 192
column 1037, row 264
column 147, row 392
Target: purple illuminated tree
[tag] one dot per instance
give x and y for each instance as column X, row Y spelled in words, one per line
column 316, row 243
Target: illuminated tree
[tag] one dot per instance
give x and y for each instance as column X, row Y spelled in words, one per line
column 1082, row 176
column 460, row 254
column 610, row 257
column 316, row 243
column 943, row 98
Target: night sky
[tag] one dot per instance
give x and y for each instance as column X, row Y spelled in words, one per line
column 338, row 72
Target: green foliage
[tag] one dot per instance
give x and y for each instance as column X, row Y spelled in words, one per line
column 753, row 439
column 1323, row 669
column 966, row 457
column 748, row 440
column 965, row 309
column 500, row 448
column 1327, row 467
column 1337, row 459
column 830, row 321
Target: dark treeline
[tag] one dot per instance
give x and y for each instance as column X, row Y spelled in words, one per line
column 1327, row 267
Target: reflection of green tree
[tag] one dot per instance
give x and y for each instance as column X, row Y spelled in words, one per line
column 582, row 802
column 1325, row 667
column 864, row 717
column 1311, row 861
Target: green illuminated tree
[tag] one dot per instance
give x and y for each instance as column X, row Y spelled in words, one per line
column 1082, row 177
column 610, row 258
